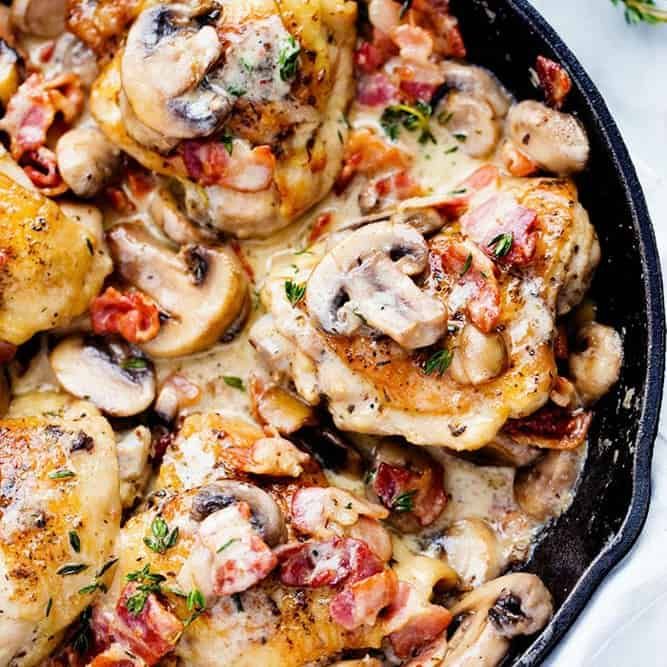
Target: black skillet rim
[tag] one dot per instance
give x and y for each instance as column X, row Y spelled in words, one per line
column 634, row 520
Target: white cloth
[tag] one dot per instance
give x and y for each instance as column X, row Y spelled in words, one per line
column 625, row 624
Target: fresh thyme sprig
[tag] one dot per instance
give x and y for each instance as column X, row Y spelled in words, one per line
column 642, row 11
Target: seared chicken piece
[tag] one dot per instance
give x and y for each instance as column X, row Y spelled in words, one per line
column 244, row 106
column 351, row 337
column 51, row 264
column 59, row 520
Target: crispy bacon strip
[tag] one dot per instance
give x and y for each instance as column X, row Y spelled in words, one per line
column 475, row 273
column 554, row 81
column 551, row 427
column 375, row 90
column 503, row 215
column 131, row 314
column 419, row 493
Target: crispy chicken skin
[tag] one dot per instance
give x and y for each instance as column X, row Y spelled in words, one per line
column 59, row 481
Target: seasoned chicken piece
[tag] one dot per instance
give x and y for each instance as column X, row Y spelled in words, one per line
column 51, row 263
column 523, row 251
column 59, row 520
column 244, row 106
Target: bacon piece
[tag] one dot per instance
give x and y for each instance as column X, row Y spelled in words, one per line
column 375, row 90
column 422, row 490
column 502, row 214
column 115, row 656
column 150, row 634
column 140, row 182
column 339, row 560
column 368, row 154
column 131, row 314
column 413, row 624
column 398, row 186
column 360, row 603
column 554, row 81
column 517, row 162
column 322, row 512
column 484, row 177
column 41, row 167
column 433, row 15
column 418, row 90
column 374, row 534
column 551, row 427
column 475, row 273
column 245, row 170
column 370, row 56
column 414, row 43
column 321, row 225
column 118, row 200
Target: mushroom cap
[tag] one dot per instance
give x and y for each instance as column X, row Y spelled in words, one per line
column 202, row 289
column 479, row 83
column 266, row 515
column 44, row 18
column 111, row 374
column 366, row 279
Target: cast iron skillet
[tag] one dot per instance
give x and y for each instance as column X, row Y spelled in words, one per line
column 612, row 500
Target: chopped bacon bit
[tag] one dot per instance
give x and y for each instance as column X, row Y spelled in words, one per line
column 46, row 51
column 554, row 81
column 551, row 427
column 114, row 656
column 131, row 314
column 414, row 42
column 424, row 490
column 484, row 177
column 368, row 154
column 323, row 511
column 502, row 214
column 418, row 90
column 140, row 182
column 375, row 90
column 321, row 225
column 339, row 560
column 398, row 186
column 247, row 267
column 360, row 603
column 481, row 178
column 368, row 57
column 245, row 170
column 151, row 633
column 119, row 201
column 433, row 15
column 7, row 352
column 412, row 623
column 468, row 265
column 516, row 161
column 374, row 534
column 41, row 167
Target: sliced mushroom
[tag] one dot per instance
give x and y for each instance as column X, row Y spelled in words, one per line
column 473, row 551
column 365, row 279
column 44, row 18
column 478, row 357
column 597, row 367
column 87, row 160
column 478, row 83
column 110, row 373
column 164, row 71
column 556, row 141
column 493, row 614
column 72, row 55
column 168, row 216
column 545, row 489
column 503, row 451
column 267, row 518
column 472, row 122
column 202, row 289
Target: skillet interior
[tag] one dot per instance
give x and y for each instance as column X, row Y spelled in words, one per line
column 612, row 501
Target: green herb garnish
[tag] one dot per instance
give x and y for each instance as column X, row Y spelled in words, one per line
column 642, row 11
column 500, row 245
column 234, row 382
column 82, row 637
column 161, row 538
column 467, row 265
column 196, row 605
column 412, row 118
column 134, row 364
column 294, row 291
column 228, row 543
column 61, row 474
column 288, row 58
column 74, row 541
column 91, row 588
column 227, row 141
column 49, row 604
column 147, row 582
column 404, row 502
column 74, row 568
column 106, row 566
column 438, row 362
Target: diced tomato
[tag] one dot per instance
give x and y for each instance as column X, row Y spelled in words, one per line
column 423, row 490
column 131, row 314
column 151, row 633
column 503, row 215
column 551, row 427
column 375, row 90
column 360, row 603
column 466, row 264
column 338, row 560
column 412, row 623
column 554, row 80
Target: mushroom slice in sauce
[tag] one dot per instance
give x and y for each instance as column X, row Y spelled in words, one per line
column 267, row 518
column 513, row 605
column 201, row 289
column 479, row 356
column 556, row 141
column 366, row 278
column 44, row 18
column 163, row 70
column 110, row 373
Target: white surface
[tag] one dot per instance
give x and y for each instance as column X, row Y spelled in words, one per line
column 625, row 625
